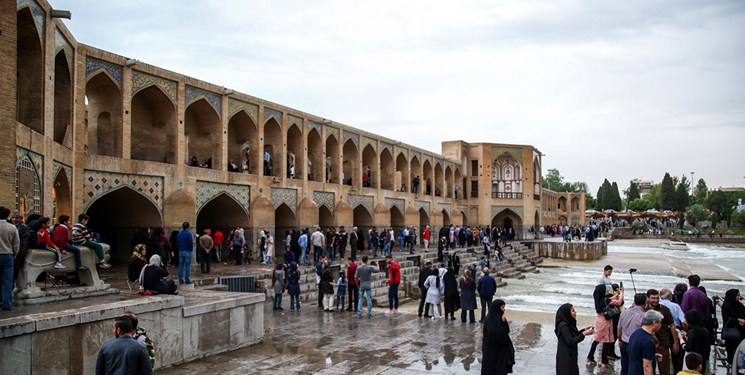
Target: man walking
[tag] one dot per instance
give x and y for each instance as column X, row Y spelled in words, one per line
column 206, row 244
column 185, row 241
column 302, row 241
column 364, row 276
column 353, row 289
column 426, row 234
column 123, row 355
column 318, row 240
column 394, row 279
column 641, row 345
column 218, row 238
column 9, row 244
column 486, row 286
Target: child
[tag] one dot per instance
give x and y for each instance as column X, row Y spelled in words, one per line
column 341, row 291
column 42, row 236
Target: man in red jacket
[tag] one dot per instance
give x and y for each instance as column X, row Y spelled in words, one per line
column 394, row 279
column 353, row 289
column 62, row 240
column 218, row 239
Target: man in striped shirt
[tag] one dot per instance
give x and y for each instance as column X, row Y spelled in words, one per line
column 81, row 237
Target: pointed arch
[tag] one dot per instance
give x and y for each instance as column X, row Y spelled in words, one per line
column 295, row 152
column 387, row 174
column 104, row 115
column 62, row 194
column 62, row 100
column 370, row 166
column 449, row 181
column 362, row 219
column 397, row 217
column 28, row 187
column 332, row 162
column 153, row 130
column 402, row 173
column 536, row 179
column 507, row 219
column 30, row 72
column 415, row 170
column 351, row 164
column 272, row 148
column 243, row 142
column 222, row 211
column 428, row 180
column 315, row 156
column 423, row 218
column 439, row 182
column 445, row 218
column 506, row 177
column 325, row 217
column 202, row 133
column 284, row 220
column 562, row 204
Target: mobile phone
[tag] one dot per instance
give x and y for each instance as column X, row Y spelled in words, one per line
column 621, row 284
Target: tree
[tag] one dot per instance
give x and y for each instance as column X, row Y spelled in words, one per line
column 653, row 196
column 614, row 197
column 681, row 195
column 603, row 191
column 695, row 214
column 738, row 218
column 667, row 193
column 553, row 180
column 590, row 201
column 633, row 191
column 721, row 204
column 639, row 205
column 700, row 191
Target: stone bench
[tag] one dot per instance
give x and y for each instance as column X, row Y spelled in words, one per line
column 39, row 261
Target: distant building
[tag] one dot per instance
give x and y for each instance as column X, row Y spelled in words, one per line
column 644, row 186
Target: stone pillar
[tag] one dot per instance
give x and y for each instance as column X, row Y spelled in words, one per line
column 8, row 56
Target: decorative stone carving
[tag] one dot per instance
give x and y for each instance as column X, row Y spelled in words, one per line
column 397, row 202
column 286, row 196
column 324, row 198
column 422, row 204
column 366, row 201
column 444, row 206
column 96, row 184
column 56, row 166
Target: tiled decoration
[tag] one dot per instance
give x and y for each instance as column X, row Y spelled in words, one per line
column 386, row 145
column 29, row 174
column 422, row 204
column 295, row 120
column 332, row 131
column 516, row 153
column 97, row 184
column 57, row 166
column 286, row 196
column 496, row 210
column 207, row 191
column 269, row 113
column 314, row 125
column 94, row 65
column 192, row 94
column 324, row 198
column 235, row 106
column 444, row 207
column 355, row 137
column 37, row 13
column 397, row 202
column 369, row 141
column 403, row 151
column 61, row 43
column 142, row 80
column 366, row 201
column 416, row 154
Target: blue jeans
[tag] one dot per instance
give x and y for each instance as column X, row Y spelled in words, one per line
column 303, row 255
column 184, row 266
column 374, row 248
column 316, row 253
column 277, row 301
column 294, row 301
column 401, row 244
column 76, row 253
column 6, row 272
column 387, row 249
column 393, row 296
column 369, row 300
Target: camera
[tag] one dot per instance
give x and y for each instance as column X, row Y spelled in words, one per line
column 621, row 284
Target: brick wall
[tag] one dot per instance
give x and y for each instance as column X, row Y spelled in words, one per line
column 7, row 101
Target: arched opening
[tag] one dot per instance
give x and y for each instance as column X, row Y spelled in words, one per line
column 562, row 204
column 295, row 153
column 62, row 195
column 153, row 133
column 332, row 160
column 104, row 116
column 28, row 187
column 463, row 218
column 386, row 170
column 284, row 220
column 30, row 65
column 423, row 218
column 243, row 143
column 439, row 180
column 272, row 157
column 460, row 183
column 445, row 219
column 222, row 213
column 351, row 164
column 537, row 223
column 397, row 218
column 507, row 220
column 506, row 177
column 370, row 166
column 62, row 100
column 315, row 156
column 325, row 217
column 402, row 173
column 449, row 182
column 202, row 134
column 362, row 220
column 117, row 215
column 575, row 204
column 562, row 219
column 536, row 179
column 415, row 170
column 427, row 180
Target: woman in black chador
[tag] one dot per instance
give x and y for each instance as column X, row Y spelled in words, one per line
column 569, row 337
column 497, row 352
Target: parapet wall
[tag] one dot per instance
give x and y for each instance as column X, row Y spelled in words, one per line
column 68, row 341
column 578, row 250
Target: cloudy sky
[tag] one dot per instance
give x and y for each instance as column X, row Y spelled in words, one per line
column 616, row 90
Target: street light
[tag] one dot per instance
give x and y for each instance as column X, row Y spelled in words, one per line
column 692, row 172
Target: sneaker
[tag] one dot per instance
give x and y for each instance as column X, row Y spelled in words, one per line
column 59, row 266
column 395, row 311
column 369, row 316
column 389, row 312
column 82, row 268
column 103, row 264
column 433, row 317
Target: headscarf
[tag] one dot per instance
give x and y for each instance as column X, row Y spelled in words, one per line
column 693, row 318
column 137, row 252
column 154, row 262
column 732, row 306
column 598, row 297
column 564, row 318
column 494, row 327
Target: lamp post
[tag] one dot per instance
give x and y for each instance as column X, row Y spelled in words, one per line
column 692, row 172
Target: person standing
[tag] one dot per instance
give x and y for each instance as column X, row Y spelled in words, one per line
column 666, row 299
column 364, row 277
column 394, row 280
column 10, row 242
column 695, row 298
column 237, row 246
column 569, row 337
column 498, row 353
column 205, row 245
column 733, row 315
column 302, row 241
column 641, row 349
column 486, row 286
column 424, row 273
column 16, row 218
column 467, row 297
column 293, row 286
column 353, row 239
column 697, row 338
column 667, row 335
column 278, row 283
column 218, row 239
column 605, row 279
column 629, row 321
column 452, row 298
column 604, row 298
column 354, row 290
column 341, row 242
column 123, row 355
column 318, row 240
column 269, row 248
column 185, row 241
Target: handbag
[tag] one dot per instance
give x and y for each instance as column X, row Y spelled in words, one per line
column 611, row 312
column 731, row 333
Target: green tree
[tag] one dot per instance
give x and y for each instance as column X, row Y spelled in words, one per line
column 614, row 197
column 590, row 201
column 700, row 191
column 653, row 196
column 553, row 180
column 667, row 193
column 681, row 195
column 633, row 191
column 721, row 204
column 738, row 218
column 639, row 205
column 695, row 214
column 603, row 196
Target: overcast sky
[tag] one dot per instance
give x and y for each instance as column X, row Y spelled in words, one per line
column 617, row 90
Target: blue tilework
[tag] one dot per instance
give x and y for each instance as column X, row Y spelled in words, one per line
column 207, row 191
column 98, row 183
column 141, row 81
column 355, row 137
column 324, row 198
column 269, row 113
column 332, row 131
column 192, row 94
column 397, row 202
column 286, row 196
column 38, row 14
column 314, row 125
column 57, row 166
column 94, row 65
column 234, row 106
column 366, row 201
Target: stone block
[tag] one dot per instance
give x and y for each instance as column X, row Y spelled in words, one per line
column 214, row 329
column 89, row 338
column 16, row 326
column 238, row 326
column 254, row 327
column 16, row 357
column 55, row 320
column 171, row 338
column 191, row 337
column 97, row 313
column 49, row 351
